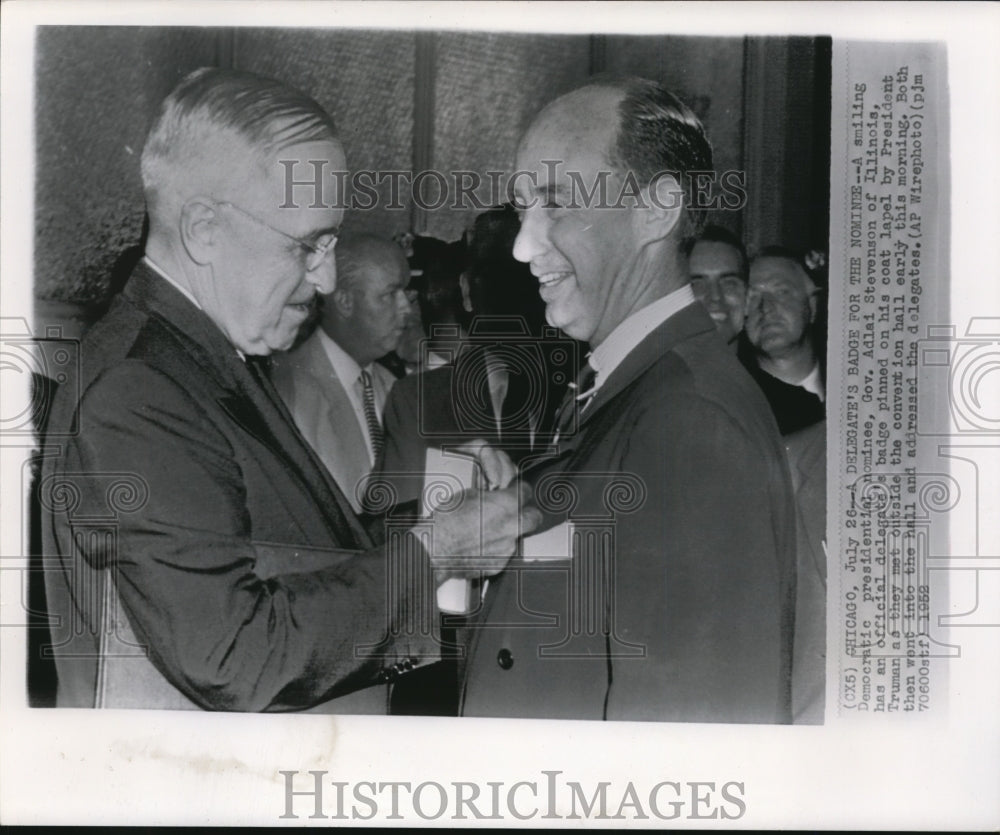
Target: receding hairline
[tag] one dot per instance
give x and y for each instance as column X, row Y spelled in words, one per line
column 214, row 114
column 558, row 113
column 800, row 269
column 359, row 250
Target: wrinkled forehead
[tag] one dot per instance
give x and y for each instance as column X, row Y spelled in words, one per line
column 775, row 273
column 715, row 255
column 299, row 175
column 581, row 126
column 389, row 269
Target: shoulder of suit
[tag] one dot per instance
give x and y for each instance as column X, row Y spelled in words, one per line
column 307, row 357
column 129, row 335
column 435, row 382
column 700, row 375
column 386, row 375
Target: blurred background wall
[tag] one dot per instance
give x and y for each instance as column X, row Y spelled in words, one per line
column 404, row 101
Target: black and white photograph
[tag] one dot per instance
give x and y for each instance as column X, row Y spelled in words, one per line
column 422, row 415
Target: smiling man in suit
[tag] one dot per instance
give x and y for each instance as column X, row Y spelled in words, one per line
column 676, row 603
column 331, row 383
column 206, row 559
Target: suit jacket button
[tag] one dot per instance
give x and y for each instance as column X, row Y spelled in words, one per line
column 505, row 659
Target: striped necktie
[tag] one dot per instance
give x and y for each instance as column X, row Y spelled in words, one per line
column 371, row 415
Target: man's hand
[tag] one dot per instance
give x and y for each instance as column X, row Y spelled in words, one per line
column 480, row 534
column 496, row 470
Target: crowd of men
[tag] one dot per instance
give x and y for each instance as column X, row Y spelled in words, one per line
column 261, row 387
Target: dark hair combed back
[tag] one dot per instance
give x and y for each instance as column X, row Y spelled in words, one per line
column 719, row 235
column 658, row 133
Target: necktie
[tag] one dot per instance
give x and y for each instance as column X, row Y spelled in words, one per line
column 371, row 416
column 578, row 395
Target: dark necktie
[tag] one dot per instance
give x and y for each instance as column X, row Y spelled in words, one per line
column 578, row 395
column 371, row 415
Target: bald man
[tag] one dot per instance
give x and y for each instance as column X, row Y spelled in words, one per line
column 331, row 383
column 782, row 308
column 675, row 599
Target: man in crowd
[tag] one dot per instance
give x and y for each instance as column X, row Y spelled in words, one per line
column 677, row 601
column 332, row 384
column 782, row 309
column 207, row 559
column 497, row 387
column 717, row 261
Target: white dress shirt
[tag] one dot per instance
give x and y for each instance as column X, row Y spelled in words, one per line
column 349, row 374
column 607, row 356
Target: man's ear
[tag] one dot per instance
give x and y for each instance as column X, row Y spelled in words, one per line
column 463, row 283
column 812, row 294
column 343, row 298
column 199, row 229
column 665, row 200
column 813, row 305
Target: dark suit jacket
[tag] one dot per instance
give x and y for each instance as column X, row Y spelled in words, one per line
column 794, row 407
column 807, row 457
column 678, row 602
column 206, row 557
column 451, row 405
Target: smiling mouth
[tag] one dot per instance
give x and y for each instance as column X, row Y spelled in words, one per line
column 548, row 280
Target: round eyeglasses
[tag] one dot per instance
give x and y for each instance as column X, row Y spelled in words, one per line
column 315, row 252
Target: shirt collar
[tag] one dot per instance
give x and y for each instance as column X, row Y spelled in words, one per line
column 344, row 365
column 813, row 382
column 182, row 290
column 160, row 272
column 607, row 356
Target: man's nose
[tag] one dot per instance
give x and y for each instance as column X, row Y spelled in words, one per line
column 324, row 277
column 530, row 240
column 768, row 303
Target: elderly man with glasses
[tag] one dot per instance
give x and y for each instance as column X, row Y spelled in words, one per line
column 202, row 555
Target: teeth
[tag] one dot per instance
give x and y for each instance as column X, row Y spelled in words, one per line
column 551, row 278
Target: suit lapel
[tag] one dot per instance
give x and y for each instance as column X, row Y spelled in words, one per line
column 245, row 400
column 684, row 324
column 338, row 423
